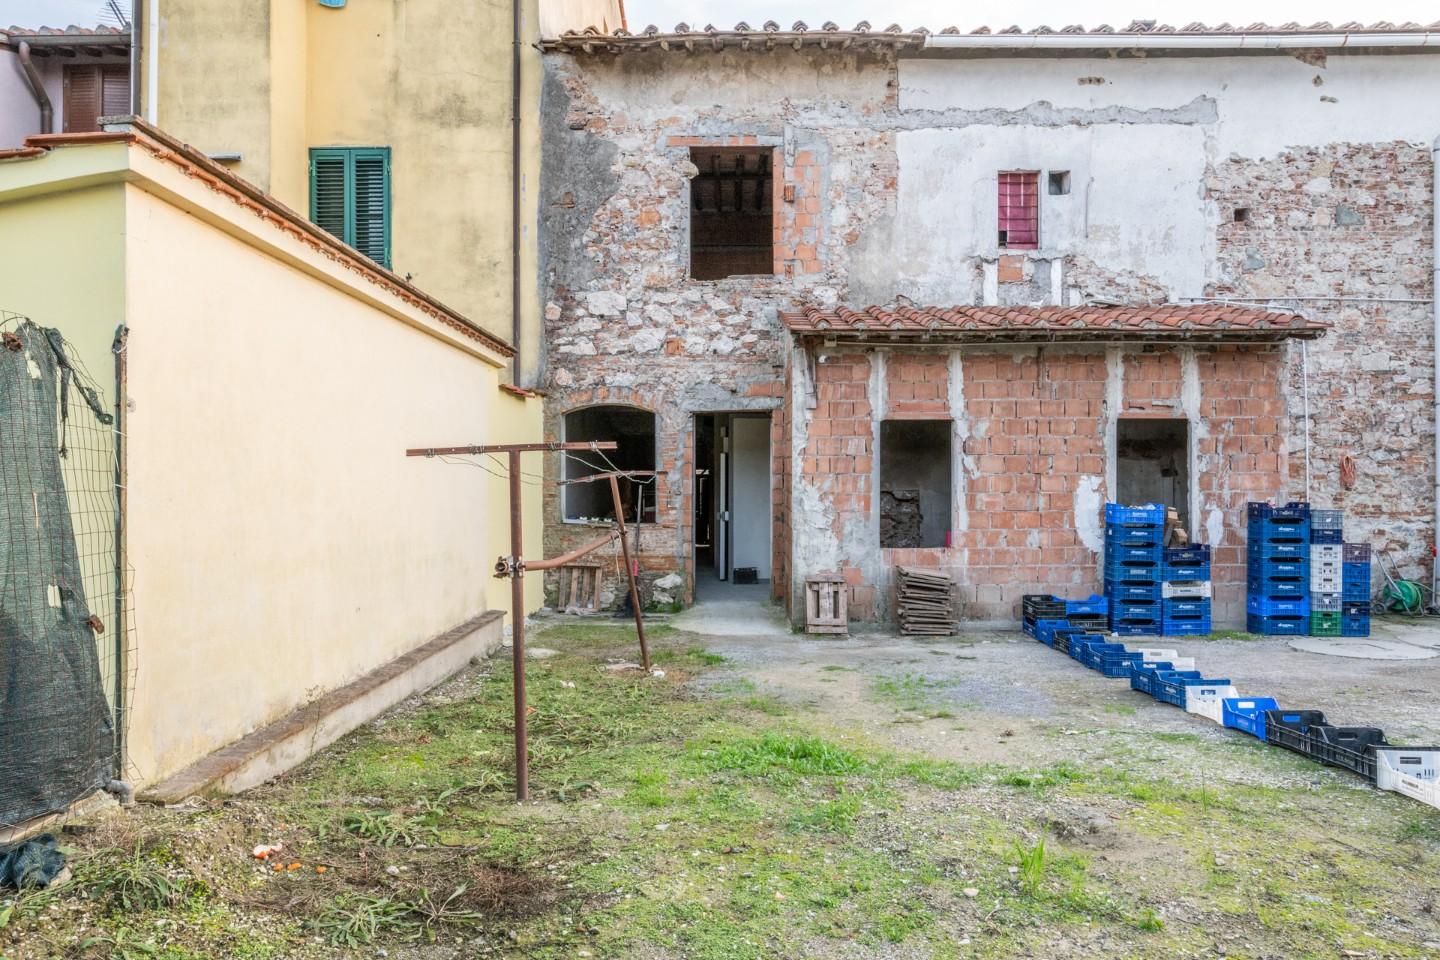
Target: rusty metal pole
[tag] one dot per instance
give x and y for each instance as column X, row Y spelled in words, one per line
column 517, row 630
column 630, row 573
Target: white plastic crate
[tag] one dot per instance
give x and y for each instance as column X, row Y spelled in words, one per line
column 1325, row 584
column 1185, row 590
column 1208, row 700
column 1326, row 553
column 1413, row 771
column 1155, row 655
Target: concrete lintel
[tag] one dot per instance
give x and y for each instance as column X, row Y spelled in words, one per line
column 279, row 746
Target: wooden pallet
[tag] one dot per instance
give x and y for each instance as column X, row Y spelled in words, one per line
column 579, row 588
column 925, row 602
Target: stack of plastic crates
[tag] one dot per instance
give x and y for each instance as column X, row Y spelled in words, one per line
column 1278, row 570
column 1355, row 590
column 1185, row 591
column 1326, row 536
column 1035, row 607
column 1133, row 556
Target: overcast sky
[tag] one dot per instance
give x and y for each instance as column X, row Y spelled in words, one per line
column 909, row 13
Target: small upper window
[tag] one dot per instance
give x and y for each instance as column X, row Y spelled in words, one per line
column 350, row 197
column 1059, row 181
column 1019, row 209
column 95, row 91
column 732, row 216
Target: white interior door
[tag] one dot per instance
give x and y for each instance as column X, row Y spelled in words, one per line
column 722, row 499
column 750, row 506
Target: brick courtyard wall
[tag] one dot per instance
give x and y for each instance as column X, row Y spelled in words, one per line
column 1034, row 429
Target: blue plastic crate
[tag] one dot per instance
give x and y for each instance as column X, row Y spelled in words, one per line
column 1080, row 645
column 1150, row 513
column 1287, row 550
column 1169, row 686
column 1096, row 604
column 1354, row 626
column 1197, row 627
column 1318, row 535
column 1247, row 713
column 1276, row 587
column 1278, row 626
column 1143, row 674
column 1094, row 654
column 1132, row 572
column 1195, row 553
column 1294, row 510
column 1170, row 572
column 1272, row 606
column 1045, row 630
column 1118, row 553
column 1135, row 535
column 1134, row 612
column 1119, row 663
column 1355, row 571
column 1120, row 590
column 1297, row 567
column 1355, row 590
column 1178, row 607
column 1278, row 529
column 1136, row 628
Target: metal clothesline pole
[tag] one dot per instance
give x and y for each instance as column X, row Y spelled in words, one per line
column 513, row 567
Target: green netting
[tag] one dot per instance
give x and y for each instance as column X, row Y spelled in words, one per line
column 57, row 734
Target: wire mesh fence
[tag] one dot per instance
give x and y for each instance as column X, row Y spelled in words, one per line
column 64, row 643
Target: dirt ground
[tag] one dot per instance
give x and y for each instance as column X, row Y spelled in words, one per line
column 785, row 796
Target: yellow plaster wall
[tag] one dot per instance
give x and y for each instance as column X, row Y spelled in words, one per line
column 215, row 78
column 282, row 543
column 431, row 80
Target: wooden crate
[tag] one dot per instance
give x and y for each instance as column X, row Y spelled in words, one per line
column 579, row 588
column 827, row 605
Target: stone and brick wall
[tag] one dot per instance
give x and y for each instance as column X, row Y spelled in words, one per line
column 868, row 209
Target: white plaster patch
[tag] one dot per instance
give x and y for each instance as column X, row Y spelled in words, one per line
column 1215, row 525
column 1089, row 508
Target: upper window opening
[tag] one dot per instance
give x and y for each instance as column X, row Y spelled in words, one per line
column 634, row 431
column 1241, row 215
column 732, row 216
column 915, row 483
column 1019, row 209
column 94, row 91
column 350, row 197
column 1059, row 181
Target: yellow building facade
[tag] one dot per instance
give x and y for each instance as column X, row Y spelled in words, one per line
column 279, row 546
column 263, row 84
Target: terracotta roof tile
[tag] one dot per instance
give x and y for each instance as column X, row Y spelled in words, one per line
column 70, row 31
column 1182, row 321
column 772, row 35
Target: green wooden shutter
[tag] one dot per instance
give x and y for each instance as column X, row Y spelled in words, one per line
column 350, row 197
column 372, row 205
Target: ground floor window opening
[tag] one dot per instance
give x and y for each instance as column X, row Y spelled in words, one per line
column 915, row 483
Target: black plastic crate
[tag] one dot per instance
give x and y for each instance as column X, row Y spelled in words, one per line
column 1350, row 747
column 1291, row 729
column 1355, row 608
column 1089, row 622
column 1042, row 606
column 1356, row 553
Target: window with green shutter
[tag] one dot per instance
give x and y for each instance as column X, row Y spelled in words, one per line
column 350, row 197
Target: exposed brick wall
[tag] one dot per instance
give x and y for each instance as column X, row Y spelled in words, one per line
column 1035, row 461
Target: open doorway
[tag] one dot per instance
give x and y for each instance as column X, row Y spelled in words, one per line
column 733, row 507
column 1152, row 463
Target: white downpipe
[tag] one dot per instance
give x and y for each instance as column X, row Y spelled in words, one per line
column 1177, row 41
column 1435, row 311
column 152, row 62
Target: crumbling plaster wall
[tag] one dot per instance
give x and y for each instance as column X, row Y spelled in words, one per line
column 623, row 322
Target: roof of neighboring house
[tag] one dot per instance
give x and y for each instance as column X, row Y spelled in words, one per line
column 771, row 35
column 43, row 40
column 1200, row 321
column 197, row 166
